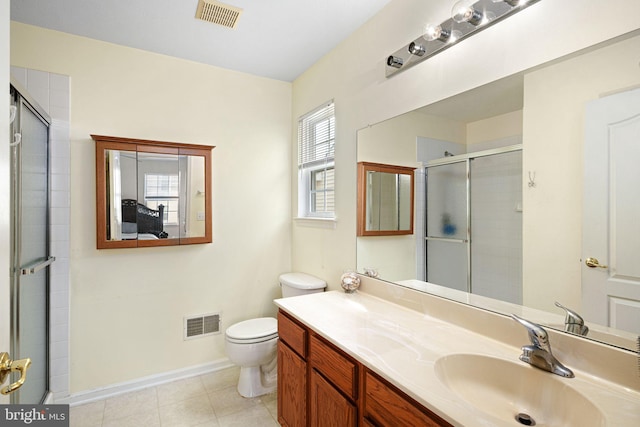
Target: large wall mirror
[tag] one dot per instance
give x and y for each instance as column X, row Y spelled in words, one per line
column 152, row 193
column 544, row 119
column 385, row 199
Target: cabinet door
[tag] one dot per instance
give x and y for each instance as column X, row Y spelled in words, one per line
column 329, row 408
column 292, row 388
column 384, row 406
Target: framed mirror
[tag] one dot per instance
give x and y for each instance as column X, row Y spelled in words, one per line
column 385, row 199
column 522, row 267
column 152, row 193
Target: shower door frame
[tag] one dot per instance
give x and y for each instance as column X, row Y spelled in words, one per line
column 460, row 158
column 23, row 100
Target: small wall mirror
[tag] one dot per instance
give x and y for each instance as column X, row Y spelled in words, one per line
column 385, row 199
column 152, row 193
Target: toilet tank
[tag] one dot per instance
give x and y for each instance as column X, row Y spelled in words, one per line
column 294, row 284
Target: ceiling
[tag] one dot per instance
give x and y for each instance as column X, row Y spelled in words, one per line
column 277, row 39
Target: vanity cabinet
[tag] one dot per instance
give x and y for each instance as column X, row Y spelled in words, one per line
column 320, row 385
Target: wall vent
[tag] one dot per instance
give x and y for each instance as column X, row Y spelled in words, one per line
column 218, row 13
column 201, row 325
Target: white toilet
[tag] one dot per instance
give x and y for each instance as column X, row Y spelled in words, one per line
column 251, row 344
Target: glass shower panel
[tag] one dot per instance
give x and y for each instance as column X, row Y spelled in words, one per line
column 447, row 264
column 496, row 225
column 32, row 280
column 447, row 201
column 447, row 226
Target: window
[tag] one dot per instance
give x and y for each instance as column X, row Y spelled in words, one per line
column 162, row 189
column 316, row 152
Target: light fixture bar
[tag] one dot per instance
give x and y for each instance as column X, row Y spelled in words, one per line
column 440, row 37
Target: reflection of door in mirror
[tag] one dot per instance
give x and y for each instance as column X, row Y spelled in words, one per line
column 152, row 193
column 611, row 229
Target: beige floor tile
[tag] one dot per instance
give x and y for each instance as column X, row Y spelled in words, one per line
column 180, row 390
column 133, row 403
column 221, row 379
column 227, row 401
column 272, row 407
column 191, row 412
column 147, row 418
column 87, row 415
column 257, row 416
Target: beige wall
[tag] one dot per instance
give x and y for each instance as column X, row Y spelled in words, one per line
column 127, row 305
column 353, row 75
column 554, row 106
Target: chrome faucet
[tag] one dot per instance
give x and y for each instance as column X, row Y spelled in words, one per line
column 539, row 353
column 573, row 322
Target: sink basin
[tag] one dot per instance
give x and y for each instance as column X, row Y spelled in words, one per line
column 516, row 393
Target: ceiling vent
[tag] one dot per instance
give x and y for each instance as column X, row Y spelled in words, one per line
column 218, row 13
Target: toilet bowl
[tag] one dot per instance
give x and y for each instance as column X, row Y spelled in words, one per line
column 252, row 344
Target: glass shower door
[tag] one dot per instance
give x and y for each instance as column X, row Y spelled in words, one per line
column 447, row 232
column 30, row 284
column 496, row 246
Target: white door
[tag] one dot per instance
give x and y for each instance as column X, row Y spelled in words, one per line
column 611, row 217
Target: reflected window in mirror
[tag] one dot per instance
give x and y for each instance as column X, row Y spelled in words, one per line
column 152, row 193
column 385, row 199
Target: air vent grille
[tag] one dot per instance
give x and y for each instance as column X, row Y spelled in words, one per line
column 218, row 13
column 201, row 325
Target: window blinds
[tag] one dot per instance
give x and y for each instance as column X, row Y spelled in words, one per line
column 316, row 136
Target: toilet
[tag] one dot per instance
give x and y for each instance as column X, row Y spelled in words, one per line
column 251, row 344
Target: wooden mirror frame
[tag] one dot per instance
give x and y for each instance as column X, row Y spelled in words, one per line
column 363, row 168
column 104, row 143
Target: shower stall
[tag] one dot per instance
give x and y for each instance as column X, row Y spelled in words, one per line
column 474, row 223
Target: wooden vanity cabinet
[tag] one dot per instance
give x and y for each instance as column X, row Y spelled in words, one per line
column 319, row 385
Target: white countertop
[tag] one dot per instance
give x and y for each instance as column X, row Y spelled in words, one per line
column 403, row 345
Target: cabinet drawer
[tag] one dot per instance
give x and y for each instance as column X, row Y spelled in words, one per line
column 384, row 405
column 294, row 334
column 334, row 365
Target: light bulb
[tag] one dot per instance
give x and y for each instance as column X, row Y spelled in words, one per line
column 436, row 32
column 463, row 11
column 394, row 61
column 416, row 49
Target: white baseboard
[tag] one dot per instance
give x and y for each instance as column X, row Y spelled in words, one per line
column 140, row 383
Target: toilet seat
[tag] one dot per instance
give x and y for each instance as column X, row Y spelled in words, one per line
column 253, row 331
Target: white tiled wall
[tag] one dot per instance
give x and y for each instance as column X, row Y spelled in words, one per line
column 51, row 91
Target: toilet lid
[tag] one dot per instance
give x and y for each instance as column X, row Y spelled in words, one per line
column 253, row 328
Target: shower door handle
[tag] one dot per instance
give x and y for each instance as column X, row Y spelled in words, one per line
column 7, row 366
column 37, row 266
column 593, row 263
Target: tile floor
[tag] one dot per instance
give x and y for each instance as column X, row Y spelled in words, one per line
column 209, row 400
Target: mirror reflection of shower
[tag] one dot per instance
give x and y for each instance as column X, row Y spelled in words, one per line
column 473, row 236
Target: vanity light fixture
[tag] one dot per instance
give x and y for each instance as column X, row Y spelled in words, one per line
column 467, row 18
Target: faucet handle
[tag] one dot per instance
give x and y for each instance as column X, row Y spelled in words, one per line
column 573, row 322
column 537, row 335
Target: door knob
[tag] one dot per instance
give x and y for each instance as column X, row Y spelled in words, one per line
column 7, row 366
column 593, row 263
